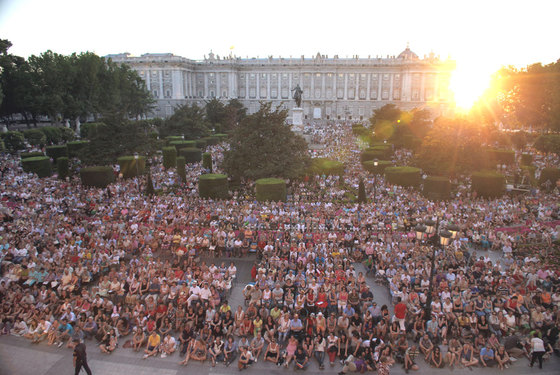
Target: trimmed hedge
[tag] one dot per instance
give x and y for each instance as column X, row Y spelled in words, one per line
column 62, row 167
column 25, row 155
column 55, row 152
column 371, row 155
column 323, row 166
column 529, row 171
column 201, row 144
column 270, row 189
column 381, row 165
column 191, row 154
column 211, row 140
column 169, row 157
column 172, row 138
column 75, row 148
column 40, row 165
column 214, row 186
column 221, row 136
column 181, row 168
column 385, row 150
column 182, row 144
column 35, row 137
column 526, row 159
column 207, row 161
column 550, row 174
column 488, row 183
column 437, row 187
column 99, row 176
column 403, row 176
column 130, row 167
column 501, row 156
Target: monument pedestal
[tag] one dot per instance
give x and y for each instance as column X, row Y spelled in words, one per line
column 297, row 120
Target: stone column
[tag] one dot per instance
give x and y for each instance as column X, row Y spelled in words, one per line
column 345, row 86
column 268, row 86
column 422, row 87
column 391, row 76
column 218, row 85
column 380, row 86
column 148, row 81
column 160, row 73
column 368, row 86
column 205, row 93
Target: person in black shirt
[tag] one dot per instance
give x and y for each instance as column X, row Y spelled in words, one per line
column 80, row 358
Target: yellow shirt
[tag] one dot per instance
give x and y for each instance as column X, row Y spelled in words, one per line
column 154, row 341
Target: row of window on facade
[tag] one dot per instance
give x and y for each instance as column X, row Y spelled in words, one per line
column 385, row 94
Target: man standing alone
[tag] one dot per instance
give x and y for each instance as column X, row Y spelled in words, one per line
column 80, row 358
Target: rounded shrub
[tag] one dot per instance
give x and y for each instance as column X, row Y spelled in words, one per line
column 488, row 183
column 13, row 140
column 323, row 166
column 437, row 187
column 182, row 144
column 191, row 154
column 270, row 189
column 549, row 174
column 214, row 186
column 201, row 144
column 403, row 176
column 40, row 165
column 169, row 157
column 381, row 166
column 526, row 159
column 75, row 148
column 99, row 176
column 25, row 155
column 131, row 167
column 207, row 161
column 55, row 152
column 62, row 167
column 501, row 157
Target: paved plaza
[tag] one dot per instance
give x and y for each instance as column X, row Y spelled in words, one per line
column 19, row 357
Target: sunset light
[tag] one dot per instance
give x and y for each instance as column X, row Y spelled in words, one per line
column 468, row 83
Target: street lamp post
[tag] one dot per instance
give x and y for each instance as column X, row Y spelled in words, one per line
column 445, row 236
column 375, row 164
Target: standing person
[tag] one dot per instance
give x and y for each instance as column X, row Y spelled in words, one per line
column 400, row 313
column 80, row 358
column 537, row 350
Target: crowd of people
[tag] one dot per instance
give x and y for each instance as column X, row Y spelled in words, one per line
column 120, row 268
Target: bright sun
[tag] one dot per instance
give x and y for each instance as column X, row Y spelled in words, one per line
column 468, row 83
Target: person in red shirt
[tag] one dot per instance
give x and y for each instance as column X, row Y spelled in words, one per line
column 400, row 313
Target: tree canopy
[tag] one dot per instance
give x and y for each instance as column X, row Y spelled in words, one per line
column 188, row 120
column 68, row 87
column 264, row 146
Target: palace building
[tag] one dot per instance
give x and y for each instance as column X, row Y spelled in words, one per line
column 333, row 87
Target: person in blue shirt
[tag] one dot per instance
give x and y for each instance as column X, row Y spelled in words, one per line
column 487, row 356
column 65, row 331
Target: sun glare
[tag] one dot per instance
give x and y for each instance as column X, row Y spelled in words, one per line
column 468, row 83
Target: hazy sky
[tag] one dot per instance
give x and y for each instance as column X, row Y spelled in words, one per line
column 480, row 35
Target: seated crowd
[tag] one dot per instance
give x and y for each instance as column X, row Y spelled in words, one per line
column 123, row 269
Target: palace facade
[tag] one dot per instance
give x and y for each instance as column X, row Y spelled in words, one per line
column 333, row 87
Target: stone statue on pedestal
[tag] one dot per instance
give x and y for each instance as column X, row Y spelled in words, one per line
column 297, row 95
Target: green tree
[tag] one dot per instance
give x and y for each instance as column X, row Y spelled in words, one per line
column 235, row 112
column 264, row 146
column 215, row 114
column 548, row 143
column 188, row 120
column 113, row 139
